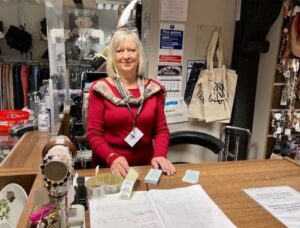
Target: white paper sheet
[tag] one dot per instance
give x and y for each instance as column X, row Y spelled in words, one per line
column 283, row 202
column 112, row 212
column 175, row 110
column 181, row 207
column 173, row 10
column 189, row 207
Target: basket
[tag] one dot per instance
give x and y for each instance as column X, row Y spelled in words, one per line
column 9, row 118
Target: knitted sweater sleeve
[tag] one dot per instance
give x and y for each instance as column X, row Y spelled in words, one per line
column 95, row 129
column 161, row 132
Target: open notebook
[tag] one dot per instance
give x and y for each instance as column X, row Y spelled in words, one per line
column 180, row 207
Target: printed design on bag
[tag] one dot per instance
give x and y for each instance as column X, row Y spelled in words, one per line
column 218, row 94
column 200, row 96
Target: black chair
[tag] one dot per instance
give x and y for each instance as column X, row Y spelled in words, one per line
column 234, row 137
column 210, row 142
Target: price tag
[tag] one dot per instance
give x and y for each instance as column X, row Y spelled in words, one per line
column 287, row 131
column 278, row 130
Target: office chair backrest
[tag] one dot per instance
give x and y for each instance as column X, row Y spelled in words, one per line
column 234, row 137
column 198, row 138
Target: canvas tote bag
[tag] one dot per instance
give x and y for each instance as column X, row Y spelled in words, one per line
column 218, row 84
column 213, row 95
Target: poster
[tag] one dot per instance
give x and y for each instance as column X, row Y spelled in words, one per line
column 172, row 85
column 175, row 110
column 171, row 43
column 173, row 10
column 169, row 70
column 170, row 76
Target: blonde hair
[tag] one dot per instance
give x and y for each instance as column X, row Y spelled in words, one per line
column 118, row 37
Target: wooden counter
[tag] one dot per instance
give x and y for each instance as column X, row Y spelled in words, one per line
column 223, row 182
column 27, row 153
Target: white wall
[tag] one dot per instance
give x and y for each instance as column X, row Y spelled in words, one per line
column 221, row 13
column 200, row 12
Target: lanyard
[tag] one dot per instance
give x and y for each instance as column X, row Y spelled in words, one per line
column 123, row 95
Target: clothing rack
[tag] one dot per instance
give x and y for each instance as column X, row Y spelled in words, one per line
column 38, row 62
column 24, row 61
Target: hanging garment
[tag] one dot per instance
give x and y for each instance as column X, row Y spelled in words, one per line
column 44, row 75
column 11, row 89
column 9, row 98
column 34, row 79
column 4, row 86
column 25, row 72
column 18, row 91
column 1, row 90
column 7, row 88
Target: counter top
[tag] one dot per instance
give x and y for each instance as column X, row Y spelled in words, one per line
column 224, row 183
column 27, row 153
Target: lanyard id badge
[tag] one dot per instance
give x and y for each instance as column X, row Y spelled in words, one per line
column 135, row 135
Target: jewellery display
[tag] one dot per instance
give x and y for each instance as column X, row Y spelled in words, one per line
column 285, row 124
column 57, row 169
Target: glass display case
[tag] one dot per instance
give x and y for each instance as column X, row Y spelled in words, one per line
column 75, row 36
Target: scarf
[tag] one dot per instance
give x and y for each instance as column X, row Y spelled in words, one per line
column 102, row 88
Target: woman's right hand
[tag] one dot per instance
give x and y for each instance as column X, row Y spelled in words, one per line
column 120, row 167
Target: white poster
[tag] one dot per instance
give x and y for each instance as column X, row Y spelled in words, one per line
column 171, row 43
column 169, row 70
column 175, row 110
column 170, row 76
column 173, row 85
column 283, row 202
column 173, row 10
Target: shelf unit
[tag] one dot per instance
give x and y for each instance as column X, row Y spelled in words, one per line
column 288, row 61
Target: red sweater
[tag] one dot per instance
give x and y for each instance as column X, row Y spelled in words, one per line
column 108, row 126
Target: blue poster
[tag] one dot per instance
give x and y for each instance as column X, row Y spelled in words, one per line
column 171, row 38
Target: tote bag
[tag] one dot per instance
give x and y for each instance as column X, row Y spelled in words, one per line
column 196, row 106
column 213, row 95
column 219, row 87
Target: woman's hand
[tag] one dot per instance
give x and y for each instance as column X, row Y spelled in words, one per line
column 120, row 167
column 164, row 164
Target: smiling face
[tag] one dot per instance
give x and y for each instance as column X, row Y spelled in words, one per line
column 127, row 58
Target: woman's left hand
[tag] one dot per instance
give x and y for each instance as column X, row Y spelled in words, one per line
column 164, row 164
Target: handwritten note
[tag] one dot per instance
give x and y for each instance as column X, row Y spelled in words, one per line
column 137, row 212
column 283, row 202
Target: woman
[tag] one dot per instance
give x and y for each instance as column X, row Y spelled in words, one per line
column 126, row 120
